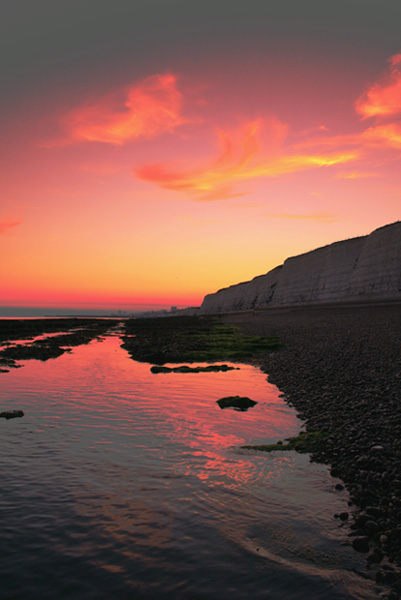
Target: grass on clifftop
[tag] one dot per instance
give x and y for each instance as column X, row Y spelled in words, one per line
column 192, row 339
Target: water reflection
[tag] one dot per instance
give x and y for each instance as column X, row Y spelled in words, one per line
column 136, row 488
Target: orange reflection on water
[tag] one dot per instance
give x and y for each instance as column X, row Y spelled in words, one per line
column 114, row 406
column 138, row 449
column 205, row 438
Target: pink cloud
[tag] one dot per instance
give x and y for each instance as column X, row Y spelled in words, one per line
column 6, row 225
column 383, row 99
column 147, row 109
column 241, row 158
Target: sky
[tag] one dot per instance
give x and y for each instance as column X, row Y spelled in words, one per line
column 154, row 151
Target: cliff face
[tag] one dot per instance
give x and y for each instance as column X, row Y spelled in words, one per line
column 364, row 268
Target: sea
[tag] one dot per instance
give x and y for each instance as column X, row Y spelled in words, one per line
column 118, row 483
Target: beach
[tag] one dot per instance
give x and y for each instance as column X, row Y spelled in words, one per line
column 340, row 367
column 124, row 481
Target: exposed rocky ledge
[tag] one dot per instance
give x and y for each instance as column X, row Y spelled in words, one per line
column 366, row 268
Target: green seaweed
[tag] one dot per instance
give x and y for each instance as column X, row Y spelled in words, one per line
column 192, row 339
column 304, row 442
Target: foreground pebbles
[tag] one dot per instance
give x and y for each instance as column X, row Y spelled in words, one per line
column 341, row 369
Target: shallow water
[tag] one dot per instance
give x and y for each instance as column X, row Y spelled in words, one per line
column 118, row 483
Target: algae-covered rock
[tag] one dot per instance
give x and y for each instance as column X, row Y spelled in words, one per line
column 192, row 340
column 186, row 369
column 236, row 402
column 157, row 369
column 11, row 414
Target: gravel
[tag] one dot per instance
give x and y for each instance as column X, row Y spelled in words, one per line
column 341, row 369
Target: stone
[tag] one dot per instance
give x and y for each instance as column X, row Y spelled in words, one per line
column 361, row 520
column 361, row 544
column 390, row 577
column 187, row 369
column 375, row 512
column 241, row 403
column 376, row 556
column 371, row 527
column 11, row 414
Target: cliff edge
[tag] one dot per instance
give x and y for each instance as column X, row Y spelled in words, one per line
column 364, row 269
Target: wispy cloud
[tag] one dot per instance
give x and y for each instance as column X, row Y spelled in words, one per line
column 147, row 109
column 388, row 135
column 241, row 158
column 383, row 98
column 5, row 226
column 356, row 174
column 261, row 148
column 384, row 136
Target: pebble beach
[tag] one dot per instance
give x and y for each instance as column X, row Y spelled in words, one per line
column 340, row 367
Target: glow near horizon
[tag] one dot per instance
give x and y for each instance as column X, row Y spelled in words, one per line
column 175, row 185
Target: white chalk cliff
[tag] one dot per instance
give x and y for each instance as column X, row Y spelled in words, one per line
column 366, row 268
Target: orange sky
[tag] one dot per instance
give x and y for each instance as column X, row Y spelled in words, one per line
column 155, row 181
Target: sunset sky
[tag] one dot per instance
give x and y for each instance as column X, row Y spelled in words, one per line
column 154, row 151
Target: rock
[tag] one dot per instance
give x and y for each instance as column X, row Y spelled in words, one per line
column 160, row 369
column 361, row 520
column 390, row 577
column 241, row 403
column 186, row 369
column 361, row 544
column 11, row 414
column 380, row 577
column 375, row 512
column 371, row 527
column 376, row 556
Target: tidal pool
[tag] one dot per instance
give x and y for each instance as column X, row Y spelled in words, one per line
column 123, row 484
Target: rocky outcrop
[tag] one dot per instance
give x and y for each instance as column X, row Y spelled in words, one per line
column 11, row 414
column 360, row 269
